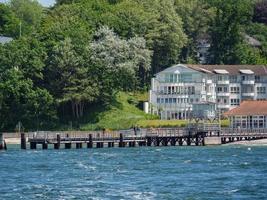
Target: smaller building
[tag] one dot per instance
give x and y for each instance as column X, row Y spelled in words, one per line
column 249, row 115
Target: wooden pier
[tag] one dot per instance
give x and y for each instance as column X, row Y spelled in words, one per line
column 189, row 136
column 146, row 137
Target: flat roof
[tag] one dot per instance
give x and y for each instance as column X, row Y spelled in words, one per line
column 246, row 71
column 221, row 71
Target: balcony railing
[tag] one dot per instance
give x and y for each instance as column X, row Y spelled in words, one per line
column 248, row 94
column 248, row 82
column 224, row 94
column 223, row 82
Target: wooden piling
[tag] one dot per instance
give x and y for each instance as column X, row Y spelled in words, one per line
column 149, row 141
column 45, row 146
column 57, row 145
column 99, row 145
column 23, row 141
column 180, row 141
column 121, row 143
column 110, row 144
column 90, row 143
column 78, row 145
column 1, row 141
column 188, row 141
column 33, row 145
column 67, row 145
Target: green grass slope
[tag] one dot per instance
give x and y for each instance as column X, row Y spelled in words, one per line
column 122, row 114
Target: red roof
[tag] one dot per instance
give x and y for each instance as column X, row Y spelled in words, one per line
column 248, row 108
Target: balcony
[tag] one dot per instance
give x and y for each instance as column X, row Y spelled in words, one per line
column 223, row 94
column 223, row 106
column 209, row 81
column 223, row 82
column 248, row 82
column 248, row 94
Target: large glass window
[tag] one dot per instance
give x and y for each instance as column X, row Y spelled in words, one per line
column 261, row 90
column 234, row 90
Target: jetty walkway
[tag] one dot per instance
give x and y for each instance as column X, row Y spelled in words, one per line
column 187, row 136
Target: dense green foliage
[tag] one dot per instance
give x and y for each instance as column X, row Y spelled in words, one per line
column 67, row 59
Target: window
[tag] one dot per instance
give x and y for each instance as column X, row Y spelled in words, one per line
column 167, row 78
column 219, row 89
column 257, row 78
column 225, row 101
column 158, row 100
column 235, row 102
column 171, row 78
column 225, row 89
column 233, row 79
column 234, row 90
column 261, row 90
column 166, row 100
column 220, row 78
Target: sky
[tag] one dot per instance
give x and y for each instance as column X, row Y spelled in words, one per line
column 43, row 2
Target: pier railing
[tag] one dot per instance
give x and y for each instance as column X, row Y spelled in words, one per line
column 243, row 132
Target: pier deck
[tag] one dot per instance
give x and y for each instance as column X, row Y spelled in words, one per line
column 144, row 137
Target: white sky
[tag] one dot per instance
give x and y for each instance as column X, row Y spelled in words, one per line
column 43, row 2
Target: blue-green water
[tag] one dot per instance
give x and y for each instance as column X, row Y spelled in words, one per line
column 230, row 172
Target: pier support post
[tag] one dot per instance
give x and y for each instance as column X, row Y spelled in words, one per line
column 197, row 139
column 110, row 144
column 67, row 145
column 121, row 143
column 79, row 145
column 188, row 141
column 149, row 141
column 2, row 143
column 90, row 143
column 180, row 141
column 57, row 145
column 173, row 142
column 33, row 145
column 23, row 141
column 157, row 142
column 45, row 146
column 99, row 145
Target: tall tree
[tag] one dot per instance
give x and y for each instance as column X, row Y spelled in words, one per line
column 30, row 14
column 260, row 12
column 226, row 30
column 9, row 23
column 71, row 78
column 21, row 101
column 120, row 60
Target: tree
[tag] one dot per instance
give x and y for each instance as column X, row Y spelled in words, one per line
column 226, row 29
column 25, row 54
column 21, row 101
column 260, row 12
column 71, row 78
column 166, row 33
column 9, row 23
column 30, row 14
column 195, row 15
column 120, row 60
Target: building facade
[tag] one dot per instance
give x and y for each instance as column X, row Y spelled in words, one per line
column 249, row 115
column 184, row 91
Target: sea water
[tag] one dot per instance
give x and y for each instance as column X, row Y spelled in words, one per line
column 225, row 172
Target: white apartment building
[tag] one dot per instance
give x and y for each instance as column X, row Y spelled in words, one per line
column 184, row 91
